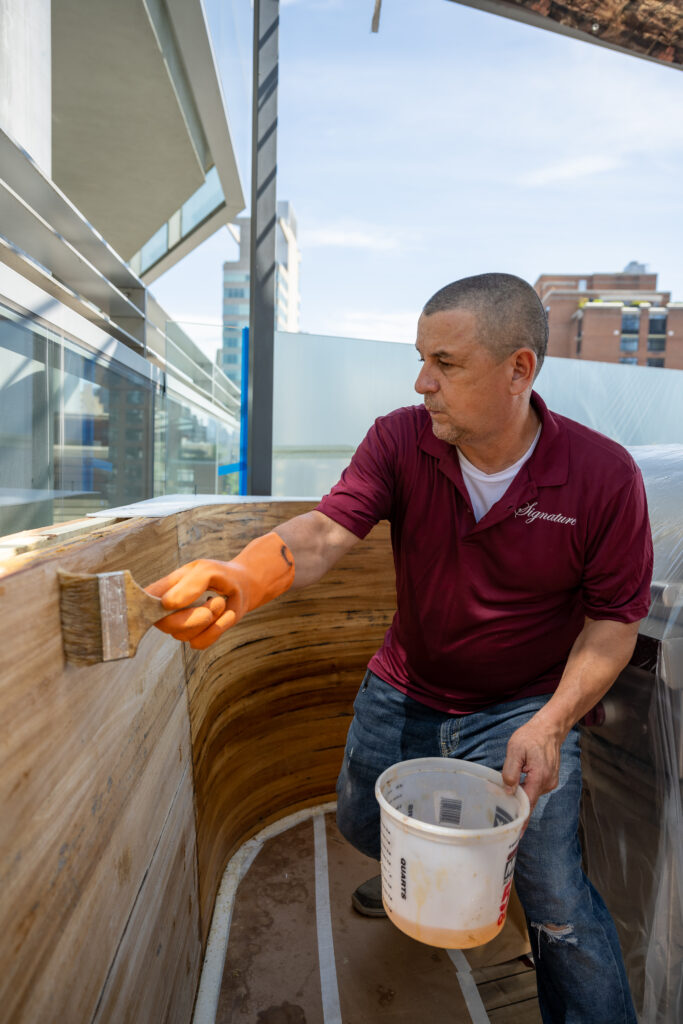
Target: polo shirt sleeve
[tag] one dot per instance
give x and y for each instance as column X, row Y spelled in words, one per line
column 365, row 491
column 618, row 566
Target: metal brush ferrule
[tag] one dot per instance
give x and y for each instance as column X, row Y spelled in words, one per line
column 113, row 615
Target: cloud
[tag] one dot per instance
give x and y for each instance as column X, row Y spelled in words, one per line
column 376, row 325
column 570, row 170
column 354, row 235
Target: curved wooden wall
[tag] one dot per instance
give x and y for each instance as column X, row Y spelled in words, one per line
column 125, row 788
column 270, row 703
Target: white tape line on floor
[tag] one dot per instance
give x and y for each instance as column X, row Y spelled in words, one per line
column 468, row 987
column 328, row 967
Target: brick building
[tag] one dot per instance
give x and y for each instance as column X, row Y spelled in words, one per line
column 613, row 318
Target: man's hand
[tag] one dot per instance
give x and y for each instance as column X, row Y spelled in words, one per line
column 534, row 751
column 599, row 653
column 261, row 572
column 202, row 625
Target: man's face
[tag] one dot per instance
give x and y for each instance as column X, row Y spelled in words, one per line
column 466, row 391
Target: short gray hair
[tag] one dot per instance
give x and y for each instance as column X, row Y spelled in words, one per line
column 509, row 313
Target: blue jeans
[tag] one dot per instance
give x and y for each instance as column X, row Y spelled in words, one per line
column 579, row 967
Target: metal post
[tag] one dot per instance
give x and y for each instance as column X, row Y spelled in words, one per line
column 262, row 257
column 244, row 413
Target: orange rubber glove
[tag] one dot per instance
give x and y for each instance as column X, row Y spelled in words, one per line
column 263, row 570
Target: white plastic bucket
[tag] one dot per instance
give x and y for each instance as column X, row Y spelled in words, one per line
column 449, row 842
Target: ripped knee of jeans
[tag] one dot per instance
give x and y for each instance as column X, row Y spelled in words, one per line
column 555, row 934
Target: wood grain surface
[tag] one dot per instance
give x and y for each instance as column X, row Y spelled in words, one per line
column 271, row 702
column 108, row 871
column 95, row 773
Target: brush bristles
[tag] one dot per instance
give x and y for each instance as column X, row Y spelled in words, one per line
column 79, row 600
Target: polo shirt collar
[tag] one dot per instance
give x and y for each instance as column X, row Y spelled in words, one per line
column 547, row 467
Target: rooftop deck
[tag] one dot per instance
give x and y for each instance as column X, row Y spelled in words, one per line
column 297, row 953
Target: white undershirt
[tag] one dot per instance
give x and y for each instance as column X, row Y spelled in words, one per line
column 485, row 489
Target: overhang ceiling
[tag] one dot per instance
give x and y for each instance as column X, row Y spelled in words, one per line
column 128, row 142
column 652, row 29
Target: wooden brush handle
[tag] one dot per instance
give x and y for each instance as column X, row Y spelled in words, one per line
column 144, row 610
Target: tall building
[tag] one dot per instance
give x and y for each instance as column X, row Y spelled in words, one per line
column 236, row 288
column 613, row 318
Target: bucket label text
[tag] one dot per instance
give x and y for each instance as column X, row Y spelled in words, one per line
column 507, row 882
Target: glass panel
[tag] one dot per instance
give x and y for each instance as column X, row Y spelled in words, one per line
column 657, row 323
column 200, row 205
column 27, row 357
column 228, row 453
column 191, row 444
column 231, row 28
column 154, row 249
column 105, row 458
column 630, row 323
column 655, row 362
column 656, row 344
column 75, row 432
column 628, row 345
column 629, row 361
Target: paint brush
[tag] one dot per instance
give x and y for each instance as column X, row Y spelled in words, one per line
column 105, row 615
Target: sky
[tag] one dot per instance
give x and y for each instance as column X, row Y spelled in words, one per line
column 454, row 142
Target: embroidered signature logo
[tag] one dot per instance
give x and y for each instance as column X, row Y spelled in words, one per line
column 531, row 514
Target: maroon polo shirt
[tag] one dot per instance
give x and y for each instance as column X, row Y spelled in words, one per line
column 488, row 611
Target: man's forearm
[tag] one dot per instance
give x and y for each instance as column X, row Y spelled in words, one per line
column 316, row 543
column 602, row 649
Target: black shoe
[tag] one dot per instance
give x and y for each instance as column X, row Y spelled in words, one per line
column 367, row 899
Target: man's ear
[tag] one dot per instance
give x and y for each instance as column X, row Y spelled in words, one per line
column 523, row 370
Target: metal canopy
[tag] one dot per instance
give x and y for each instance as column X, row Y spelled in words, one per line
column 138, row 117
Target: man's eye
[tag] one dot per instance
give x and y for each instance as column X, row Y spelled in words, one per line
column 442, row 362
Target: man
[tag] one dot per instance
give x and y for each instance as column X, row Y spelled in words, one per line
column 523, row 561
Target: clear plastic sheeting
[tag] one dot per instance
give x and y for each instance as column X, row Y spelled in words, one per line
column 632, row 814
column 328, row 392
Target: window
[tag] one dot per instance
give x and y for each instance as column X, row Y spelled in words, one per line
column 628, row 344
column 630, row 322
column 155, row 248
column 234, row 293
column 655, row 362
column 657, row 323
column 629, row 360
column 656, row 344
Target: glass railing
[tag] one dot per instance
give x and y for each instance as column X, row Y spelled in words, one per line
column 76, row 428
column 80, row 431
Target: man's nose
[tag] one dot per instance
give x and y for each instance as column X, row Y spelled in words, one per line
column 425, row 382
